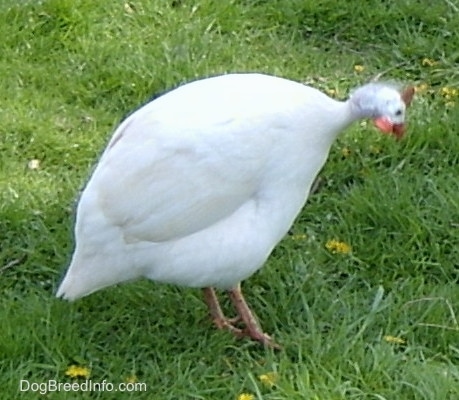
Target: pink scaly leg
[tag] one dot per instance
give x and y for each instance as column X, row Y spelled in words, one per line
column 245, row 315
column 216, row 313
column 252, row 326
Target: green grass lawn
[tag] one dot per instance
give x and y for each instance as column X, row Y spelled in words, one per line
column 379, row 322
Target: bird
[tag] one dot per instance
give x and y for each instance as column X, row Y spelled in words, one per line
column 197, row 187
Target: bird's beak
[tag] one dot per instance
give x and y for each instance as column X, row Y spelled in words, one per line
column 385, row 125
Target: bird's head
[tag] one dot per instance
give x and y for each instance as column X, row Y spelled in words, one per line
column 385, row 104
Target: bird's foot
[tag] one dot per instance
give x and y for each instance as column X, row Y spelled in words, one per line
column 260, row 336
column 251, row 328
column 252, row 332
column 221, row 322
column 216, row 313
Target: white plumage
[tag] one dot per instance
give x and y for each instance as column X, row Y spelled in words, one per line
column 198, row 186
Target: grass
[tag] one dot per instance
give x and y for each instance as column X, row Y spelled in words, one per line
column 71, row 70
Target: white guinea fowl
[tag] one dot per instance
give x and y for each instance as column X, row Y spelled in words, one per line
column 197, row 187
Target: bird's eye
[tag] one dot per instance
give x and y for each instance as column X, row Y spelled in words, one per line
column 398, row 112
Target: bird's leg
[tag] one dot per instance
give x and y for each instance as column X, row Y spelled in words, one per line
column 216, row 312
column 252, row 326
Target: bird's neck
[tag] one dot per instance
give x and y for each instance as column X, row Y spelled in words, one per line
column 344, row 114
column 363, row 102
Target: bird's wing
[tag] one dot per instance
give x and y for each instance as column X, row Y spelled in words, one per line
column 159, row 181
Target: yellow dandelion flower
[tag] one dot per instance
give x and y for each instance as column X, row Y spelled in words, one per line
column 428, row 62
column 246, row 396
column 358, row 68
column 449, row 93
column 269, row 379
column 394, row 339
column 299, row 236
column 346, row 151
column 422, row 88
column 335, row 246
column 77, row 371
column 131, row 379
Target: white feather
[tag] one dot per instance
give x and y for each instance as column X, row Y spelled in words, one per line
column 198, row 186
